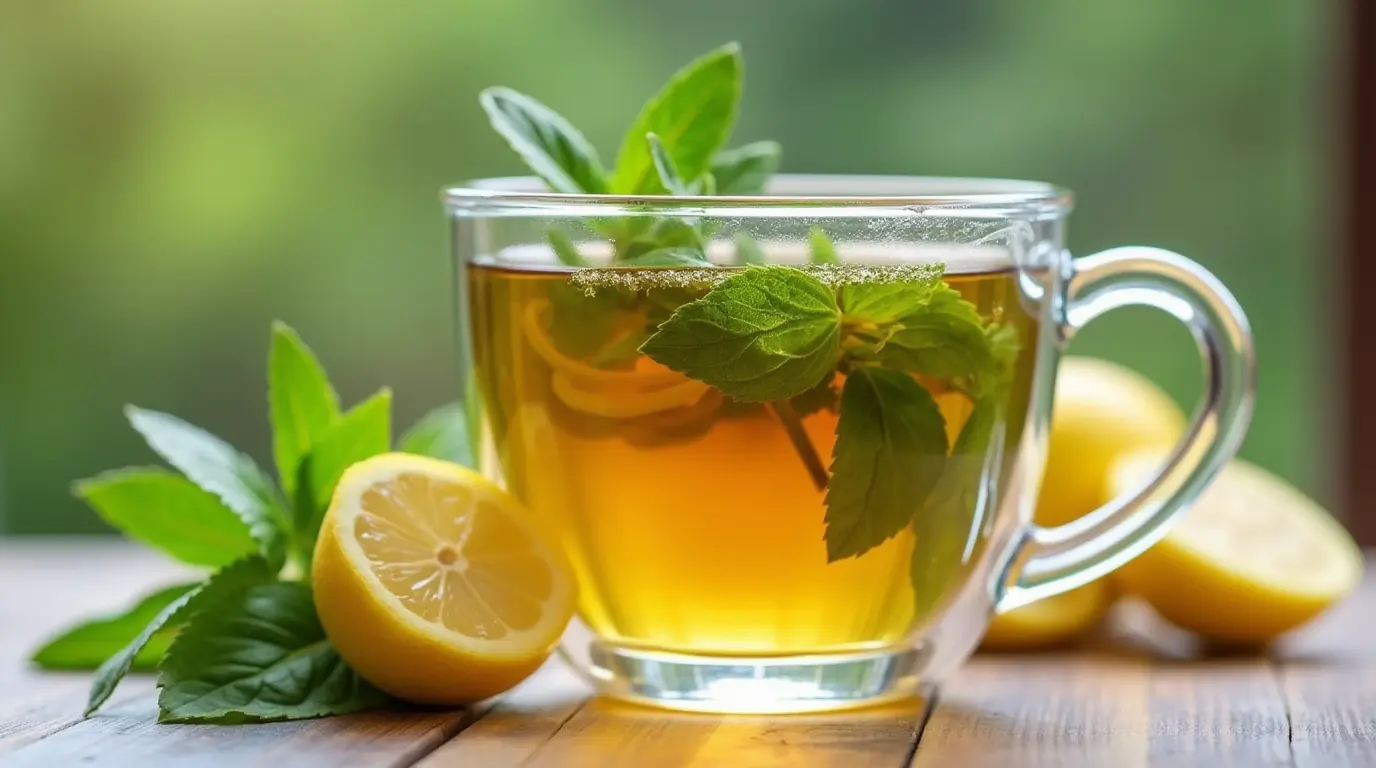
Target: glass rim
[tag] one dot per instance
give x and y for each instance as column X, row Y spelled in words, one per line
column 877, row 192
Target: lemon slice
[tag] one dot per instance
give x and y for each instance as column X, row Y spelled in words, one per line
column 1050, row 621
column 1252, row 559
column 432, row 584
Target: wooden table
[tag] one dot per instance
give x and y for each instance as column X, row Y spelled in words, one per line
column 1138, row 695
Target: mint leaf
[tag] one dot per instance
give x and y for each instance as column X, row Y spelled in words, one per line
column 168, row 512
column 443, row 433
column 664, row 167
column 231, row 579
column 365, row 431
column 301, row 402
column 944, row 338
column 746, row 170
column 666, row 233
column 258, row 655
column 890, row 452
column 747, row 250
column 945, row 532
column 548, row 143
column 693, row 114
column 767, row 333
column 564, row 249
column 669, row 257
column 882, row 302
column 88, row 644
column 823, row 252
column 215, row 466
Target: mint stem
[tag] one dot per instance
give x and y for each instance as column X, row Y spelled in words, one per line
column 793, row 425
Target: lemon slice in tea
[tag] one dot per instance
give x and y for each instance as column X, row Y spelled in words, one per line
column 1252, row 559
column 433, row 585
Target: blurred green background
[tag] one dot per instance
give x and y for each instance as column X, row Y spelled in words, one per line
column 173, row 176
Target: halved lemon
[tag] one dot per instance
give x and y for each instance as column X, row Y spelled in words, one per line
column 432, row 583
column 1252, row 559
column 1050, row 621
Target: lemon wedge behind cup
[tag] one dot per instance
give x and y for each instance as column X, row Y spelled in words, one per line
column 433, row 585
column 1252, row 559
column 1050, row 621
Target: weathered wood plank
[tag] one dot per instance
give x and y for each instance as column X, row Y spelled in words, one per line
column 519, row 724
column 129, row 734
column 1328, row 678
column 1054, row 710
column 883, row 736
column 49, row 584
column 547, row 721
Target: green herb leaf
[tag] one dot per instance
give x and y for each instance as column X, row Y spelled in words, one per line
column 231, row 579
column 945, row 544
column 215, row 466
column 944, row 338
column 669, row 257
column 549, row 144
column 365, row 431
column 564, row 249
column 168, row 512
column 884, row 302
column 666, row 233
column 747, row 250
column 823, row 252
column 890, row 452
column 767, row 333
column 442, row 434
column 88, row 644
column 693, row 114
column 258, row 655
column 301, row 402
column 664, row 167
column 746, row 170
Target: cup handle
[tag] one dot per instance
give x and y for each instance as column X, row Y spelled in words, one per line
column 1054, row 560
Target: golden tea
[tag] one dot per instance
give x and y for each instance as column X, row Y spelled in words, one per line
column 696, row 522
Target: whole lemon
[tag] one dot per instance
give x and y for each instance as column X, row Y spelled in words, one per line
column 1102, row 412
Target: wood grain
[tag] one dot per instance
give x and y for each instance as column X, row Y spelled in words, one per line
column 1139, row 694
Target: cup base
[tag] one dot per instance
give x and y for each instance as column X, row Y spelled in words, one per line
column 754, row 685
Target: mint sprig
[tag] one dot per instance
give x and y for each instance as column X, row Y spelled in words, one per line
column 773, row 333
column 224, row 513
column 674, row 147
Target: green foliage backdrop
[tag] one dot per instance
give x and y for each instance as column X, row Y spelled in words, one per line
column 175, row 175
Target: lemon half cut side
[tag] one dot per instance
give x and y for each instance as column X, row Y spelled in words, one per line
column 433, row 584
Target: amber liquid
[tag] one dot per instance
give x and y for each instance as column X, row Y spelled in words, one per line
column 690, row 520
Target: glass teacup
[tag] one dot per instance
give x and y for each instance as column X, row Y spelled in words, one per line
column 729, row 555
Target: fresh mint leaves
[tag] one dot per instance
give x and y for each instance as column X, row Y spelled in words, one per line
column 230, row 579
column 774, row 333
column 88, row 644
column 746, row 170
column 549, row 144
column 301, row 403
column 890, row 454
column 166, row 511
column 693, row 115
column 767, row 333
column 248, row 630
column 254, row 655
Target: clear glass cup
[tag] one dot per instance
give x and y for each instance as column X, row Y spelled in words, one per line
column 695, row 522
